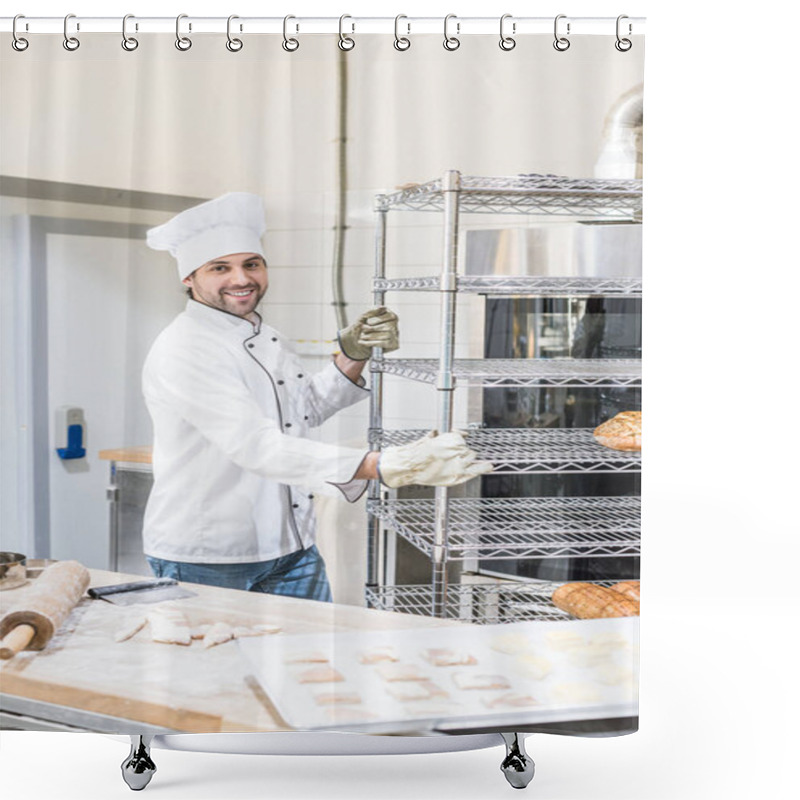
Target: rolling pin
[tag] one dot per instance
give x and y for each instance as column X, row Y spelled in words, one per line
column 31, row 623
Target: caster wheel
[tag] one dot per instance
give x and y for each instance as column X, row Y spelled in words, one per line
column 517, row 766
column 519, row 770
column 138, row 768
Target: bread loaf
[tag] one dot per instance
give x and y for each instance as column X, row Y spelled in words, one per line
column 589, row 601
column 628, row 588
column 623, row 432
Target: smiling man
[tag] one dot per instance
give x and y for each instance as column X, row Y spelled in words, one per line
column 234, row 474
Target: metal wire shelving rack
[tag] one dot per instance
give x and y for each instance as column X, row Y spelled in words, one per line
column 480, row 603
column 447, row 528
column 490, row 372
column 522, row 451
column 519, row 527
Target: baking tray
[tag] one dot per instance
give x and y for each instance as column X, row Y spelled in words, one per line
column 551, row 671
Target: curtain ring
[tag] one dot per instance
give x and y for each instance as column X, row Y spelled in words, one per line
column 346, row 42
column 507, row 42
column 129, row 43
column 451, row 42
column 401, row 42
column 17, row 42
column 234, row 45
column 289, row 44
column 623, row 45
column 70, row 42
column 182, row 42
column 561, row 43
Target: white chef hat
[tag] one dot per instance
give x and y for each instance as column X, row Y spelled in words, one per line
column 233, row 223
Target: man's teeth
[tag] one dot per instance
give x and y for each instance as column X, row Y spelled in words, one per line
column 241, row 294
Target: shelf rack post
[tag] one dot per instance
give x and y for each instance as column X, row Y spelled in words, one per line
column 451, row 188
column 374, row 578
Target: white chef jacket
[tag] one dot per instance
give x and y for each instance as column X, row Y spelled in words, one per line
column 233, row 473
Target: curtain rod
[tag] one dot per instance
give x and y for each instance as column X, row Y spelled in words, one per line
column 348, row 25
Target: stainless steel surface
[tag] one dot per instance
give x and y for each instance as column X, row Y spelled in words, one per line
column 451, row 188
column 129, row 488
column 374, row 578
column 138, row 768
column 551, row 259
column 517, row 766
column 64, row 718
column 320, row 743
column 13, row 570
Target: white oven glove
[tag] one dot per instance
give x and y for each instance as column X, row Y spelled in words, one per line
column 374, row 328
column 433, row 460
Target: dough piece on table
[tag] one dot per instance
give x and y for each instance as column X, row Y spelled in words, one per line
column 510, row 700
column 378, row 654
column 588, row 655
column 612, row 640
column 445, row 657
column 400, row 672
column 241, row 631
column 321, row 674
column 614, row 675
column 415, row 690
column 563, row 640
column 199, row 631
column 622, row 432
column 306, row 657
column 169, row 626
column 130, row 629
column 510, row 643
column 574, row 694
column 532, row 666
column 218, row 633
column 469, row 680
column 327, row 697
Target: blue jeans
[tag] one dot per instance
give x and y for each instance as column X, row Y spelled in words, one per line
column 300, row 574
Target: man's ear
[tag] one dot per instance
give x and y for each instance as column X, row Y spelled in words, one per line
column 187, row 281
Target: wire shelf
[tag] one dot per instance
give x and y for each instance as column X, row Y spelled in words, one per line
column 487, row 604
column 522, row 451
column 520, row 527
column 518, row 284
column 520, row 371
column 527, row 194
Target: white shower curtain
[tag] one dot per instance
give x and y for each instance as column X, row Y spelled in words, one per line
column 100, row 145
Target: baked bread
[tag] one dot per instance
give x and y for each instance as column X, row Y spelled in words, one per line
column 629, row 589
column 623, row 432
column 589, row 601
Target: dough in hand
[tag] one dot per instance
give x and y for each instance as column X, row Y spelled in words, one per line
column 169, row 626
column 130, row 630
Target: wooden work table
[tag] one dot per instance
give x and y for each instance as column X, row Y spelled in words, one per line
column 84, row 680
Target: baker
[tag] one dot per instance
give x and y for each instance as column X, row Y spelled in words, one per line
column 234, row 474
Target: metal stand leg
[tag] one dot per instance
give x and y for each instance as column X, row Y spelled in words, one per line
column 138, row 768
column 517, row 766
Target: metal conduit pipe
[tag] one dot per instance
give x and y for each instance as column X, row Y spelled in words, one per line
column 340, row 226
column 621, row 152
